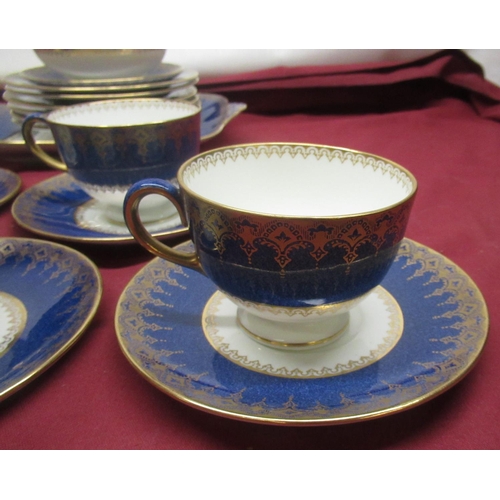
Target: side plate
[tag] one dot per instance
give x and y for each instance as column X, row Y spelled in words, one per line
column 48, row 295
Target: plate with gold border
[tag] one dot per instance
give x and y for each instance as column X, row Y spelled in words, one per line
column 160, row 323
column 10, row 185
column 48, row 296
column 58, row 208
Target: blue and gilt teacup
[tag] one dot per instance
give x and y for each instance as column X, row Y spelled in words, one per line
column 294, row 234
column 107, row 146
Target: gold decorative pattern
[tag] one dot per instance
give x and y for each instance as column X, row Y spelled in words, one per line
column 286, row 236
column 301, row 150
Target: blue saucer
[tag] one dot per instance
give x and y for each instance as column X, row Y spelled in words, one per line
column 48, row 295
column 10, row 184
column 159, row 328
column 56, row 207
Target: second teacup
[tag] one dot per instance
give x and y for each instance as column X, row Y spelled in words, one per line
column 109, row 145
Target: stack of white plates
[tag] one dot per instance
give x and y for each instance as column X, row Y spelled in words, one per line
column 42, row 89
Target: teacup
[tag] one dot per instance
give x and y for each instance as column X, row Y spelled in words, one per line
column 107, row 146
column 294, row 234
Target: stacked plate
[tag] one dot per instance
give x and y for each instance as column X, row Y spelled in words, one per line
column 42, row 89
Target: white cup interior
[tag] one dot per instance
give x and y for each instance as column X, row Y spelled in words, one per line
column 288, row 183
column 122, row 113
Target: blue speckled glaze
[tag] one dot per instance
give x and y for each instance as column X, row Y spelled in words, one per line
column 55, row 211
column 60, row 290
column 326, row 285
column 445, row 328
column 103, row 164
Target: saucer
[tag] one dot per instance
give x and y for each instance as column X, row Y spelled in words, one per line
column 374, row 328
column 48, row 296
column 10, row 184
column 165, row 327
column 58, row 208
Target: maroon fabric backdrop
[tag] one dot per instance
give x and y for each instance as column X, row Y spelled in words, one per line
column 436, row 116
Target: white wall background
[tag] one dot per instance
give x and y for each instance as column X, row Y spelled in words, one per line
column 212, row 62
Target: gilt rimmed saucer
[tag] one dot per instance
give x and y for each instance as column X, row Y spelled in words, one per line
column 59, row 209
column 172, row 328
column 48, row 295
column 10, row 185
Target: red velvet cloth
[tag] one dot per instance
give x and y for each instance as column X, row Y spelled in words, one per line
column 436, row 116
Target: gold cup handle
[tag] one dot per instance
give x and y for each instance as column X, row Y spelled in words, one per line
column 133, row 198
column 27, row 131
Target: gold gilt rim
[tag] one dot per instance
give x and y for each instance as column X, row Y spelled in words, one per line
column 83, row 327
column 335, row 420
column 243, row 146
column 194, row 111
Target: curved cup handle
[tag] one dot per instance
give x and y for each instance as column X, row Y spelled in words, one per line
column 131, row 212
column 27, row 131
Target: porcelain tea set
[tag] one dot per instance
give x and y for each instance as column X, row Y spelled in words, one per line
column 295, row 235
column 295, row 298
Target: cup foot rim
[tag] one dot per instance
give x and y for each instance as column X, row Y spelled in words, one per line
column 254, row 326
